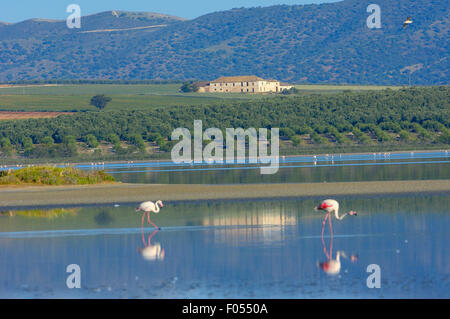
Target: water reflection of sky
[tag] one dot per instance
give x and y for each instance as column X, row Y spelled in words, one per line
column 230, row 249
column 293, row 169
column 337, row 167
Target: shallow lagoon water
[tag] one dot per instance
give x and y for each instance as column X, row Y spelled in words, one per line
column 230, row 249
column 293, row 169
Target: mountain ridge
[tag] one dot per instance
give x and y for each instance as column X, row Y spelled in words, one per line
column 148, row 14
column 316, row 43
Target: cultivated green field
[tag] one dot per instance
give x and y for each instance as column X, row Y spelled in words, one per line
column 138, row 97
column 77, row 97
column 81, row 102
column 339, row 88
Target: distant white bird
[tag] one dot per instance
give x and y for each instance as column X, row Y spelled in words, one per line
column 407, row 21
column 330, row 205
column 147, row 208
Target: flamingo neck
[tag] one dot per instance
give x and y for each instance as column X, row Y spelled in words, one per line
column 336, row 214
column 157, row 208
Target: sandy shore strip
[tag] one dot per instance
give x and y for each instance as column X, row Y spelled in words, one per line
column 133, row 193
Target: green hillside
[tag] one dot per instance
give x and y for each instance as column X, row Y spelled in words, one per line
column 326, row 43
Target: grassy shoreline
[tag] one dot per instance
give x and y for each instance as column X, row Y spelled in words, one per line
column 19, row 196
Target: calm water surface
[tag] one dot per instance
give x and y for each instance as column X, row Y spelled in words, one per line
column 248, row 249
column 296, row 169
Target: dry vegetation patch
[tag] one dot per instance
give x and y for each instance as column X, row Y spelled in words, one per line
column 8, row 115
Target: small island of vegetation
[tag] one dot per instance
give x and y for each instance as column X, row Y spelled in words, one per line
column 52, row 175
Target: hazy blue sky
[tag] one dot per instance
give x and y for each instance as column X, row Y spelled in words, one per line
column 18, row 10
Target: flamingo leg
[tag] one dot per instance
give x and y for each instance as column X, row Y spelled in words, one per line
column 150, row 222
column 323, row 224
column 151, row 236
column 142, row 229
column 155, row 225
column 323, row 240
column 331, row 239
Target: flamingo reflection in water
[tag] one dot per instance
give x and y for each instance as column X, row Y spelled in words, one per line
column 332, row 266
column 151, row 252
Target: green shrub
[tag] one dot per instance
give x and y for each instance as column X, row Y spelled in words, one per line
column 48, row 140
column 91, row 141
column 6, row 145
column 52, row 175
column 405, row 136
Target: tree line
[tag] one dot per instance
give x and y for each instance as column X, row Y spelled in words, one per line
column 406, row 115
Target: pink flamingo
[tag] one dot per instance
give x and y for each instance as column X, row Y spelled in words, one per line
column 148, row 207
column 332, row 266
column 330, row 205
